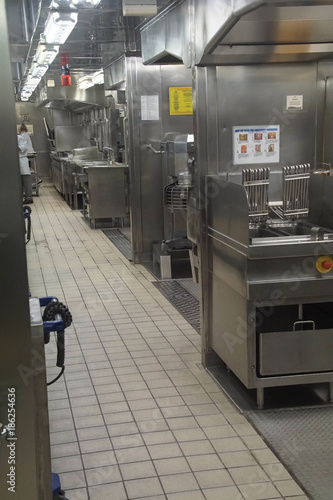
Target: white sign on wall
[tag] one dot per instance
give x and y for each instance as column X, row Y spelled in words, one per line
column 294, row 102
column 256, row 144
column 150, row 107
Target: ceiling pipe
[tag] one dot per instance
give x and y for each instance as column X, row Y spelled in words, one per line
column 43, row 7
column 25, row 21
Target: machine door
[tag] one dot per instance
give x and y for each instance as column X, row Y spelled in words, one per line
column 289, row 345
column 283, row 353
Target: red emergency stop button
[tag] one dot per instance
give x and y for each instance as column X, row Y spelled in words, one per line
column 324, row 264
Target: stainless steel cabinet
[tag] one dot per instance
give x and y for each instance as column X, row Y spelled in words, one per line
column 104, row 193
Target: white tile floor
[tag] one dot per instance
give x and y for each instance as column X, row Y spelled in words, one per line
column 136, row 415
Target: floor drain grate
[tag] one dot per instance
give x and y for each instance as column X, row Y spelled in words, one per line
column 182, row 300
column 120, row 240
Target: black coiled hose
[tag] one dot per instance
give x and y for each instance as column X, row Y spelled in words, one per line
column 26, row 215
column 52, row 311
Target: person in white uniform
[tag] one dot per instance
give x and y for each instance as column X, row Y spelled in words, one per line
column 23, row 131
column 24, row 169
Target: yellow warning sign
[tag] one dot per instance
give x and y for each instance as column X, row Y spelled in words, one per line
column 180, row 100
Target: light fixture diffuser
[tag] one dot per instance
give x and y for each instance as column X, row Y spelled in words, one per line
column 86, row 3
column 139, row 7
column 98, row 77
column 38, row 70
column 85, row 82
column 31, row 83
column 61, row 3
column 46, row 54
column 59, row 26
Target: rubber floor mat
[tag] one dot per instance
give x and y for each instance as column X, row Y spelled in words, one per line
column 302, row 438
column 296, row 424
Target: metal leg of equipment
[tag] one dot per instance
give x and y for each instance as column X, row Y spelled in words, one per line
column 163, row 259
column 32, row 157
column 260, row 397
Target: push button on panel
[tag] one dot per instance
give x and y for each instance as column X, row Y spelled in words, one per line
column 324, row 264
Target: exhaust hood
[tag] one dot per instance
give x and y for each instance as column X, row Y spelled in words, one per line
column 71, row 98
column 241, row 32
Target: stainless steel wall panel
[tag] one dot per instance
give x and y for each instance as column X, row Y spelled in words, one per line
column 205, row 114
column 321, row 188
column 206, row 161
column 145, row 167
column 232, row 338
column 228, row 265
column 226, row 201
column 325, row 113
column 256, row 95
column 32, row 469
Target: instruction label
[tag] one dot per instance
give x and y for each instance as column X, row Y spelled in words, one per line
column 294, row 102
column 180, row 101
column 256, row 144
column 150, row 107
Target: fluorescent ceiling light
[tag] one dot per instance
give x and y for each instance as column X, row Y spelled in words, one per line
column 61, row 3
column 139, row 7
column 46, row 54
column 87, row 3
column 59, row 26
column 85, row 82
column 98, row 77
column 38, row 70
column 31, row 83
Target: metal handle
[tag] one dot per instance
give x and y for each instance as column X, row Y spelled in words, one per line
column 149, row 146
column 303, row 323
column 125, row 140
column 317, row 233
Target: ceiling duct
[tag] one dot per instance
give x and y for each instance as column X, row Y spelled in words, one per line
column 166, row 38
column 115, row 74
column 241, row 32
